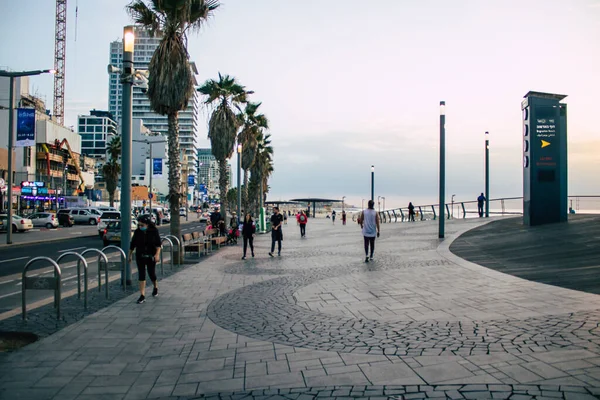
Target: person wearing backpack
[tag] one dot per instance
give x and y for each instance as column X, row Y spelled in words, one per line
column 302, row 220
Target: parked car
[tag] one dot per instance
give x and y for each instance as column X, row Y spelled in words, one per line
column 112, row 233
column 105, row 218
column 19, row 224
column 182, row 212
column 166, row 217
column 104, row 209
column 45, row 219
column 65, row 219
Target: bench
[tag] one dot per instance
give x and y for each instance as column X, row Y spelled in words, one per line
column 214, row 238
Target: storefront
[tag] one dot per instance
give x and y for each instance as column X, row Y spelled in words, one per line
column 35, row 196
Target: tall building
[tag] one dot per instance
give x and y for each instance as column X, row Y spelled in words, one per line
column 188, row 121
column 208, row 171
column 96, row 130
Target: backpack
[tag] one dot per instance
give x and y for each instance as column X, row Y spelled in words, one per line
column 302, row 218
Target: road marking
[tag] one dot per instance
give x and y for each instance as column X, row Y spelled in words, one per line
column 76, row 248
column 14, row 259
column 76, row 233
column 12, row 294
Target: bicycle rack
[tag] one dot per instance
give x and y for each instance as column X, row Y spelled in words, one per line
column 395, row 216
column 447, row 212
column 80, row 260
column 401, row 214
column 434, row 214
column 389, row 216
column 171, row 251
column 179, row 249
column 101, row 255
column 41, row 283
column 123, row 265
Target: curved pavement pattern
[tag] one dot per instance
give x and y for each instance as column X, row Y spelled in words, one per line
column 418, row 322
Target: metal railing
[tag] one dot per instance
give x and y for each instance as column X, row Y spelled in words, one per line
column 41, row 283
column 101, row 259
column 468, row 209
column 123, row 265
column 80, row 260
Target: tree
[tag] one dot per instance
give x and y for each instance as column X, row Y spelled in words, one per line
column 171, row 81
column 111, row 170
column 222, row 95
column 251, row 124
column 263, row 165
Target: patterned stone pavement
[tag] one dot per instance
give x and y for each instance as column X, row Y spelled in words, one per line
column 418, row 322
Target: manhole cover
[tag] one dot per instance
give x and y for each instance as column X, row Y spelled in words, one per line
column 10, row 341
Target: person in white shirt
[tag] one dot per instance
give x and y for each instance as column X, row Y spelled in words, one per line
column 369, row 222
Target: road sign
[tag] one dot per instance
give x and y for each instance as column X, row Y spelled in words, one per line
column 150, row 195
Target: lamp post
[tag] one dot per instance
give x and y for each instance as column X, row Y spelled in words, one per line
column 452, row 214
column 383, row 202
column 149, row 143
column 127, row 78
column 343, row 198
column 239, row 183
column 372, row 182
column 487, row 174
column 11, row 127
column 442, row 193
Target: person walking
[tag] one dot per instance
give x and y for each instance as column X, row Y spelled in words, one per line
column 333, row 217
column 411, row 212
column 285, row 218
column 276, row 233
column 344, row 217
column 146, row 243
column 248, row 233
column 369, row 222
column 302, row 220
column 480, row 200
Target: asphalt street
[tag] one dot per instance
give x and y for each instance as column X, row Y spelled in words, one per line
column 13, row 259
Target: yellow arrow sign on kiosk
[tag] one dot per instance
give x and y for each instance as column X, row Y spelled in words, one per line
column 545, row 144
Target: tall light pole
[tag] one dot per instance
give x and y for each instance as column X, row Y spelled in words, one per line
column 487, row 174
column 442, row 204
column 11, row 127
column 372, row 182
column 151, row 193
column 452, row 215
column 127, row 79
column 239, row 184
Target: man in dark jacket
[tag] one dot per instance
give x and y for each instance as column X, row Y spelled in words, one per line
column 276, row 233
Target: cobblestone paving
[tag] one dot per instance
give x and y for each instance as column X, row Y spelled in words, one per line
column 418, row 322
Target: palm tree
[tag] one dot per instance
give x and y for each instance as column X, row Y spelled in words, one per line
column 263, row 165
column 171, row 81
column 222, row 95
column 112, row 168
column 251, row 124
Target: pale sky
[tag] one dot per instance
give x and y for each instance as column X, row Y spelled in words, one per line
column 349, row 83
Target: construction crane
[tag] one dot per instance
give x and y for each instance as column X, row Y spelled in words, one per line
column 60, row 45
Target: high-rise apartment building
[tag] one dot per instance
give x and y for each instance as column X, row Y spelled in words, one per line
column 188, row 122
column 208, row 171
column 96, row 130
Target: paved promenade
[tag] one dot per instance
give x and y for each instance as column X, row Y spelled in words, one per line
column 418, row 322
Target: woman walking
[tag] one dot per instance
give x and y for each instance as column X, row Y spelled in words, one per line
column 146, row 243
column 248, row 232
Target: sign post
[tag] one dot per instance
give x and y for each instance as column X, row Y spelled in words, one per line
column 544, row 158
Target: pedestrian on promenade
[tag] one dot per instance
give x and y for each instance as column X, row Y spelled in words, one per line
column 369, row 222
column 344, row 217
column 411, row 212
column 276, row 233
column 215, row 217
column 248, row 233
column 480, row 200
column 333, row 217
column 147, row 245
column 285, row 218
column 302, row 220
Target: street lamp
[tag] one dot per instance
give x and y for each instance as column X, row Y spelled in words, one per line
column 453, row 205
column 127, row 80
column 239, row 183
column 372, row 182
column 11, row 124
column 442, row 193
column 343, row 198
column 150, row 193
column 487, row 174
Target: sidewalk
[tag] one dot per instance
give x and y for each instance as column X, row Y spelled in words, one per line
column 418, row 322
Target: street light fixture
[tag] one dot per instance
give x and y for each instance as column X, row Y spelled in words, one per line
column 487, row 174
column 442, row 203
column 452, row 215
column 11, row 123
column 239, row 184
column 372, row 182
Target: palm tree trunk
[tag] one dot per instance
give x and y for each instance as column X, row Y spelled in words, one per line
column 174, row 173
column 111, row 198
column 245, row 192
column 223, row 186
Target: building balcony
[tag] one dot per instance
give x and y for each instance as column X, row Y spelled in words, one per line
column 53, row 157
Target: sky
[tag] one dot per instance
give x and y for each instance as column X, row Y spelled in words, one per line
column 347, row 84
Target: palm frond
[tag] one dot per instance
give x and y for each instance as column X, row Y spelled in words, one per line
column 200, row 12
column 143, row 15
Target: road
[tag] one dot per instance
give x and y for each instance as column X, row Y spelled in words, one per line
column 14, row 258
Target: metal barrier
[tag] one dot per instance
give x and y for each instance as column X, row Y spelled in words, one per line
column 123, row 263
column 80, row 260
column 41, row 283
column 101, row 255
column 179, row 249
column 171, row 251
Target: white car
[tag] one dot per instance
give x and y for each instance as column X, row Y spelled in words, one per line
column 44, row 219
column 19, row 223
column 182, row 212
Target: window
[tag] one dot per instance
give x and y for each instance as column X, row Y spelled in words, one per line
column 87, row 144
column 98, row 129
column 87, row 136
column 101, row 144
column 82, row 121
column 26, row 156
column 99, row 136
column 89, row 128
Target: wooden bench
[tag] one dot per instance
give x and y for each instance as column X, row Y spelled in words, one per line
column 214, row 238
column 196, row 242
